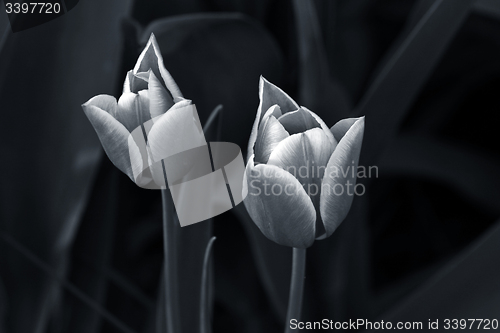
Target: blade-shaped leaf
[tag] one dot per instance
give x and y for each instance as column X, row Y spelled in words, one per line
column 30, row 257
column 97, row 224
column 317, row 90
column 488, row 7
column 274, row 262
column 466, row 287
column 471, row 173
column 397, row 84
column 55, row 149
column 213, row 126
column 3, row 306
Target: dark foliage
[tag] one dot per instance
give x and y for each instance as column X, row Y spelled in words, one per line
column 422, row 243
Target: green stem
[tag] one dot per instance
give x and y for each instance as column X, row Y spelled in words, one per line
column 296, row 287
column 205, row 322
column 171, row 300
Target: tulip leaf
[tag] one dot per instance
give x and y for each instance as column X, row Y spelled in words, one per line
column 433, row 160
column 488, row 7
column 401, row 78
column 45, row 268
column 5, row 31
column 3, row 306
column 274, row 263
column 213, row 126
column 317, row 90
column 477, row 177
column 56, row 150
column 97, row 224
column 396, row 84
column 466, row 287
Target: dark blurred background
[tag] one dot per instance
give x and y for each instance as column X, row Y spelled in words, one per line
column 81, row 245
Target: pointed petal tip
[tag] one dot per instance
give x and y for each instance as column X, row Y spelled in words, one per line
column 104, row 102
column 340, row 129
column 362, row 120
column 270, row 94
column 156, row 47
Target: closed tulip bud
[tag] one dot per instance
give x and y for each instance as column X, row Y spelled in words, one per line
column 151, row 102
column 299, row 171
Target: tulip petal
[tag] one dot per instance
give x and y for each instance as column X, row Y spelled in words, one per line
column 323, row 126
column 279, row 206
column 337, row 193
column 341, row 127
column 104, row 102
column 113, row 136
column 253, row 135
column 298, row 121
column 133, row 109
column 138, row 152
column 177, row 130
column 134, row 83
column 151, row 58
column 269, row 95
column 304, row 155
column 159, row 98
column 271, row 132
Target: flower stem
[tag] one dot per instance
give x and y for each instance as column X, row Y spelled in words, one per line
column 296, row 287
column 205, row 322
column 171, row 300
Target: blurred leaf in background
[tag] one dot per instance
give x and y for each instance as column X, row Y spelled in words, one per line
column 422, row 233
column 50, row 151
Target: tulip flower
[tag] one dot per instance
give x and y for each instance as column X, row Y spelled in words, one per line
column 297, row 176
column 300, row 173
column 150, row 121
column 151, row 102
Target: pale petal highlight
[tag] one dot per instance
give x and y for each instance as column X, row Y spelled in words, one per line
column 271, row 132
column 335, row 199
column 285, row 214
column 113, row 136
column 298, row 121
